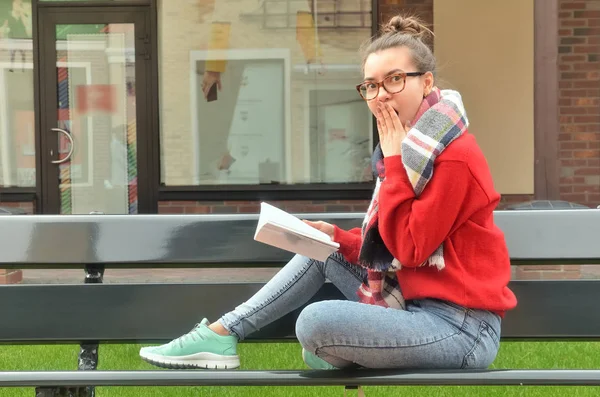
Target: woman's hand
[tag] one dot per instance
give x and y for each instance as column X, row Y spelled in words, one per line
column 325, row 227
column 391, row 130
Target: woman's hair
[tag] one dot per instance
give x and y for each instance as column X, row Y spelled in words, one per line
column 408, row 32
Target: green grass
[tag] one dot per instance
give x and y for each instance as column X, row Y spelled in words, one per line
column 582, row 355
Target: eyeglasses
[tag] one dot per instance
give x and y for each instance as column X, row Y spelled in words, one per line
column 393, row 84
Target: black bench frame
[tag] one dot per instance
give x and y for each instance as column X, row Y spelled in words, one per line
column 37, row 312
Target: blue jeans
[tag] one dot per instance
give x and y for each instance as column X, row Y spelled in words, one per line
column 428, row 334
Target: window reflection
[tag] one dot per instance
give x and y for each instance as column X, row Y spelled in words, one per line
column 263, row 93
column 17, row 142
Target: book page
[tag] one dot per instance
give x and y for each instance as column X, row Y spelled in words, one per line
column 276, row 216
column 287, row 240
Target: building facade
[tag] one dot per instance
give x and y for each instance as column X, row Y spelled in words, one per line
column 107, row 106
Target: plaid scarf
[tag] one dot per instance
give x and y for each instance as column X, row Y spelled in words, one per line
column 441, row 119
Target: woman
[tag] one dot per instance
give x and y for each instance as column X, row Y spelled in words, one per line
column 429, row 233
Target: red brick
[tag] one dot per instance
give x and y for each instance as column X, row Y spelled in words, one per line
column 587, row 119
column 573, row 145
column 565, row 189
column 527, row 275
column 586, row 14
column 586, row 84
column 565, row 275
column 586, row 49
column 595, row 75
column 170, row 210
column 586, row 153
column 204, row 209
column 554, row 268
column 593, row 66
column 573, row 93
column 564, row 84
column 574, row 197
column 586, row 189
column 573, row 110
column 587, row 171
column 593, row 162
column 565, row 32
column 588, row 136
column 567, row 162
column 224, row 209
column 573, row 6
column 574, row 22
column 593, row 200
column 11, row 276
column 573, row 76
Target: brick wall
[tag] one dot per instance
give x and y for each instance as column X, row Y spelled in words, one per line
column 249, row 207
column 27, row 206
column 299, row 206
column 579, row 101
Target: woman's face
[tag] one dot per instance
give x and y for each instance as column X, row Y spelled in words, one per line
column 388, row 62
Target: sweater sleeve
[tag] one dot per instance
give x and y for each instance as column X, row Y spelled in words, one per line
column 412, row 228
column 350, row 241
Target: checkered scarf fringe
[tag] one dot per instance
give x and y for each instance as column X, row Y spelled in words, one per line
column 440, row 119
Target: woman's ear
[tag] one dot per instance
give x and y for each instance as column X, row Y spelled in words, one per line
column 427, row 83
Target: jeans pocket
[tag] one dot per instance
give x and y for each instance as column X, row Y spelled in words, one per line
column 484, row 350
column 492, row 333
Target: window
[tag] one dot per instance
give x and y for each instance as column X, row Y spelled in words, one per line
column 284, row 109
column 17, row 132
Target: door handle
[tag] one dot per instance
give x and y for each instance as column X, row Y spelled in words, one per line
column 70, row 138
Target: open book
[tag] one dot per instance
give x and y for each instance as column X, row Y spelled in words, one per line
column 283, row 230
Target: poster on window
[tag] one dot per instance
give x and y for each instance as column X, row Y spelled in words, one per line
column 346, row 141
column 241, row 135
column 24, row 127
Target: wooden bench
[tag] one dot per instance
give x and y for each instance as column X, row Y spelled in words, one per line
column 93, row 313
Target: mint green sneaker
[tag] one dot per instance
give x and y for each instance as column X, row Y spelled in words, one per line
column 315, row 362
column 199, row 348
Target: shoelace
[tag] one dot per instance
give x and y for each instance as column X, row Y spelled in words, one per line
column 193, row 334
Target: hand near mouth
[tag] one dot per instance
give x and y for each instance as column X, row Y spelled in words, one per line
column 391, row 130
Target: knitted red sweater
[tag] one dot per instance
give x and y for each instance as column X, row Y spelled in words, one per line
column 456, row 209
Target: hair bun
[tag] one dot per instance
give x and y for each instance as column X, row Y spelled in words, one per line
column 407, row 25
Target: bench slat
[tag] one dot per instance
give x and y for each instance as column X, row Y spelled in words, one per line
column 300, row 378
column 129, row 312
column 227, row 240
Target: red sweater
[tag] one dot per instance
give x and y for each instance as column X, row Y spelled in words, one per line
column 456, row 209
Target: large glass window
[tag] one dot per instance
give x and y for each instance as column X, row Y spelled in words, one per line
column 17, row 132
column 263, row 92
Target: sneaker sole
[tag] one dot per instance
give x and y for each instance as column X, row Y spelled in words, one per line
column 193, row 361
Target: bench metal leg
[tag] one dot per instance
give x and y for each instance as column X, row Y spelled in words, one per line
column 354, row 391
column 88, row 353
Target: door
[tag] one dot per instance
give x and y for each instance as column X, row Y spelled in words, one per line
column 95, row 109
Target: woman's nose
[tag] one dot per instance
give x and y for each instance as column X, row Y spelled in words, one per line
column 383, row 95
